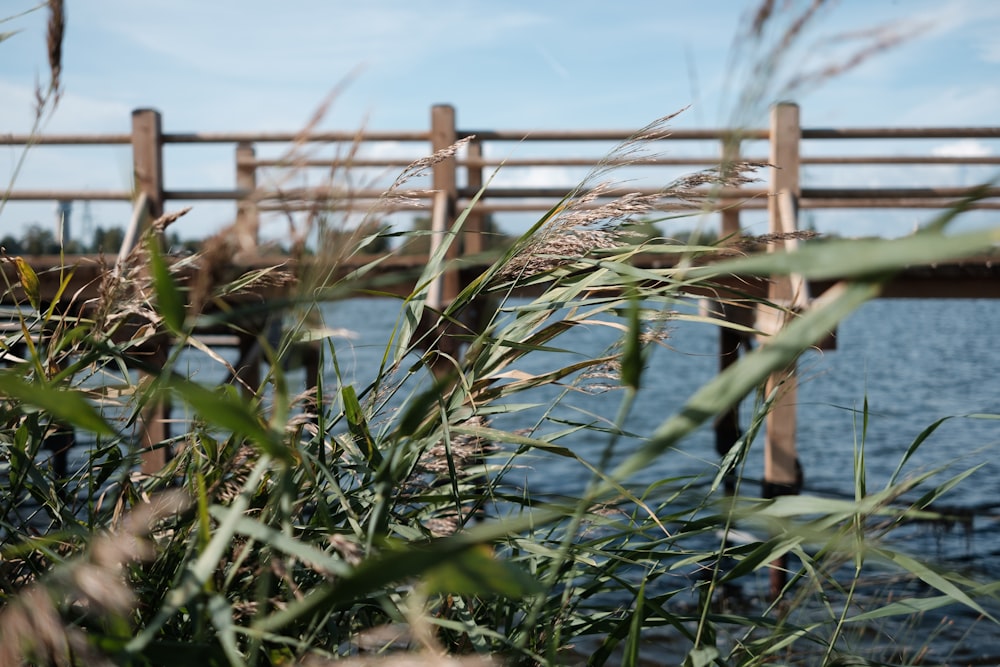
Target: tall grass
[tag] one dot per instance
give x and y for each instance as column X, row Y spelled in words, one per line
column 383, row 520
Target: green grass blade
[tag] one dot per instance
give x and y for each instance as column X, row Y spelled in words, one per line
column 66, row 405
column 169, row 301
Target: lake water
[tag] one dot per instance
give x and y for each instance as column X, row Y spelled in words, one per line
column 915, row 361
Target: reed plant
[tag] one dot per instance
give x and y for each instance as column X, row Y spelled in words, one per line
column 384, row 520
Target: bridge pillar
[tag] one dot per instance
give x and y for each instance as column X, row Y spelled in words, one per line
column 782, row 472
column 445, row 185
column 444, row 177
column 247, row 213
column 147, row 157
column 727, row 424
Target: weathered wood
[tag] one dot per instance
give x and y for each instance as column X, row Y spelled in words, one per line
column 444, row 135
column 247, row 214
column 727, row 425
column 473, row 237
column 147, row 157
column 782, row 473
column 154, row 427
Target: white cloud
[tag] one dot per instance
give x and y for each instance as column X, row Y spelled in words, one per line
column 75, row 112
column 962, row 148
column 248, row 40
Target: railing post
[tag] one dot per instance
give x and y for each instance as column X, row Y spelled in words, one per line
column 727, row 424
column 147, row 169
column 247, row 213
column 154, row 425
column 782, row 472
column 443, row 135
column 147, row 157
column 474, row 239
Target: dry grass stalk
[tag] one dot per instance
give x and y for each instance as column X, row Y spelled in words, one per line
column 416, row 659
column 753, row 242
column 420, row 166
column 580, row 228
column 32, row 629
column 54, row 41
column 462, row 453
column 766, row 85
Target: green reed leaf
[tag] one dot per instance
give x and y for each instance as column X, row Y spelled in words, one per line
column 66, row 405
column 169, row 301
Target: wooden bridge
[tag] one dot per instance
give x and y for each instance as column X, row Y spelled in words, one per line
column 454, row 181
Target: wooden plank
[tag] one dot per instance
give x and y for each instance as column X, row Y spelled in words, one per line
column 782, row 474
column 147, row 157
column 443, row 135
column 247, row 213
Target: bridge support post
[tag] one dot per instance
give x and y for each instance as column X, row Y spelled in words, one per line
column 474, row 240
column 154, row 425
column 782, row 472
column 727, row 424
column 444, row 176
column 147, row 157
column 445, row 185
column 247, row 213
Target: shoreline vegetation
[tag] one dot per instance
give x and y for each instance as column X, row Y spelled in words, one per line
column 370, row 523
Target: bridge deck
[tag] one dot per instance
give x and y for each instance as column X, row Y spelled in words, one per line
column 975, row 277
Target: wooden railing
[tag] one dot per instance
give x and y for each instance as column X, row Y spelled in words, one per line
column 461, row 177
column 454, row 181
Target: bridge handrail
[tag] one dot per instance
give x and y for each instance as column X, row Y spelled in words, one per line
column 148, row 140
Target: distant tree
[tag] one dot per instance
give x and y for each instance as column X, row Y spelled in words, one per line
column 38, row 240
column 11, row 245
column 107, row 241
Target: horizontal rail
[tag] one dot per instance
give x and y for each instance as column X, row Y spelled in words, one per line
column 291, row 137
column 504, row 135
column 901, row 203
column 75, row 195
column 902, row 133
column 613, row 193
column 639, row 162
column 811, row 197
column 900, row 159
column 612, row 135
column 897, row 193
column 64, row 139
column 326, row 164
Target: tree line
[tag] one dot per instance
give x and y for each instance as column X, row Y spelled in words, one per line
column 38, row 240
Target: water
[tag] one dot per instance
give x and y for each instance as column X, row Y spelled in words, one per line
column 913, row 361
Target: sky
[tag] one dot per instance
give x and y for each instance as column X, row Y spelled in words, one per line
column 262, row 65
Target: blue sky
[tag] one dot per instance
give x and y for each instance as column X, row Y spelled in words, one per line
column 262, row 65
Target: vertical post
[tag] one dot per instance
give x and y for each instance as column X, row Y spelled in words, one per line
column 727, row 424
column 154, row 423
column 147, row 169
column 147, row 157
column 247, row 213
column 474, row 239
column 443, row 135
column 782, row 473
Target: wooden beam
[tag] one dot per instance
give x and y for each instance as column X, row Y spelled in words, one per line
column 247, row 213
column 147, row 157
column 782, row 474
column 443, row 135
